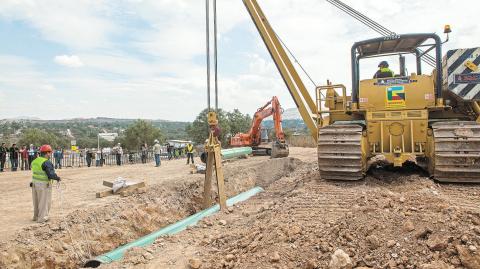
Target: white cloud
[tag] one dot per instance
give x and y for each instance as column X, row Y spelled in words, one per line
column 48, row 87
column 78, row 24
column 148, row 55
column 68, row 60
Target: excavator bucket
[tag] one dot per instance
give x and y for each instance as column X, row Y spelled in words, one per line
column 279, row 150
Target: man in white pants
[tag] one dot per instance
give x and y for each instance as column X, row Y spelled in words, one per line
column 43, row 173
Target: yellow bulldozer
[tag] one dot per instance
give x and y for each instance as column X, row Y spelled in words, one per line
column 426, row 119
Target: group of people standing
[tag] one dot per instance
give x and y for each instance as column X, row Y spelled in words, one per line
column 178, row 152
column 18, row 157
column 97, row 155
column 22, row 157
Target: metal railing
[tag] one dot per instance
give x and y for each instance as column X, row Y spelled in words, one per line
column 78, row 159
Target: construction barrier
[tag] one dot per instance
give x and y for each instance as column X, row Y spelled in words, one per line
column 78, row 159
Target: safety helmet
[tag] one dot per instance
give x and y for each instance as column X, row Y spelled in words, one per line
column 45, row 148
column 156, row 141
column 383, row 64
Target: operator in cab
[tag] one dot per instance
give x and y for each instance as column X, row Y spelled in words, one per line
column 384, row 71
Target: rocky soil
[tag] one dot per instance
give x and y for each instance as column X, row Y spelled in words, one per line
column 392, row 219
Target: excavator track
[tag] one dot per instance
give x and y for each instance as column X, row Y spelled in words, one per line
column 457, row 151
column 340, row 152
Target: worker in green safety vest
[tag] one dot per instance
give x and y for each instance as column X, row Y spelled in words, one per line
column 190, row 149
column 384, row 71
column 43, row 173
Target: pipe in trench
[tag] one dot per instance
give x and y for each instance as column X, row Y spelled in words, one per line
column 174, row 228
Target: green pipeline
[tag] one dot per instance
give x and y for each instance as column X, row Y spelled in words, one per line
column 235, row 152
column 174, row 228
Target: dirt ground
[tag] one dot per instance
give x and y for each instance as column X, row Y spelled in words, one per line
column 391, row 219
column 81, row 184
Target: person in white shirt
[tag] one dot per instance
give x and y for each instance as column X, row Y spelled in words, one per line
column 157, row 150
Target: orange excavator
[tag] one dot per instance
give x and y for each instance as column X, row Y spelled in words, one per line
column 278, row 148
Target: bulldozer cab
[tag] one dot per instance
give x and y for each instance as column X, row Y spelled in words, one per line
column 403, row 91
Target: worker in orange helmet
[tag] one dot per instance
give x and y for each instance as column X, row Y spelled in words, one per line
column 42, row 178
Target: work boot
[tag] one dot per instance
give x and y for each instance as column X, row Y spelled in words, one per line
column 44, row 220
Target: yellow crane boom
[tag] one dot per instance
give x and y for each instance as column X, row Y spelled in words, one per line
column 298, row 91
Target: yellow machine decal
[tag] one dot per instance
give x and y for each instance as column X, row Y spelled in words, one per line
column 395, row 97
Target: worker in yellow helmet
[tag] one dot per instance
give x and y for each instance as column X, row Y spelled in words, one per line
column 43, row 173
column 190, row 151
column 384, row 71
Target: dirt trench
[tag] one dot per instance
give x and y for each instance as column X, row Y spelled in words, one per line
column 84, row 234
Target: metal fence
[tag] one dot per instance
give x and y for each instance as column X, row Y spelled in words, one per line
column 78, row 159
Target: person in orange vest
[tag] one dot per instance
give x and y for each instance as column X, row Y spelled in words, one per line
column 43, row 174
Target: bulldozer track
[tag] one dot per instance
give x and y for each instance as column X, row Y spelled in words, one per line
column 326, row 200
column 340, row 152
column 457, row 151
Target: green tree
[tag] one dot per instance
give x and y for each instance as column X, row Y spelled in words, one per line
column 89, row 142
column 239, row 123
column 198, row 131
column 140, row 132
column 40, row 137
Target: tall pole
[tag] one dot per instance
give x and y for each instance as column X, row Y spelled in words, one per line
column 207, row 10
column 215, row 52
column 98, row 141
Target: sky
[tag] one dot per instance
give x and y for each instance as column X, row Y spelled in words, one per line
column 146, row 58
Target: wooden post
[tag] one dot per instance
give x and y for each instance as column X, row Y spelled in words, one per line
column 220, row 179
column 214, row 158
column 207, row 187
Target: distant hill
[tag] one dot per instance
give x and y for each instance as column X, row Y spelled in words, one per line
column 86, row 129
column 22, row 118
column 292, row 120
column 91, row 120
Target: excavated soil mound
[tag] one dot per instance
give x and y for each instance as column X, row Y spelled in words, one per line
column 409, row 222
column 392, row 219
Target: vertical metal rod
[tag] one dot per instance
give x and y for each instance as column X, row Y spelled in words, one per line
column 207, row 13
column 411, row 137
column 381, row 137
column 391, row 147
column 215, row 52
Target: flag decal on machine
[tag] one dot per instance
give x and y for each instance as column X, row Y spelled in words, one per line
column 395, row 97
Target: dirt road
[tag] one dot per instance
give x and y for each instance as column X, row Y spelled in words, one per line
column 81, row 186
